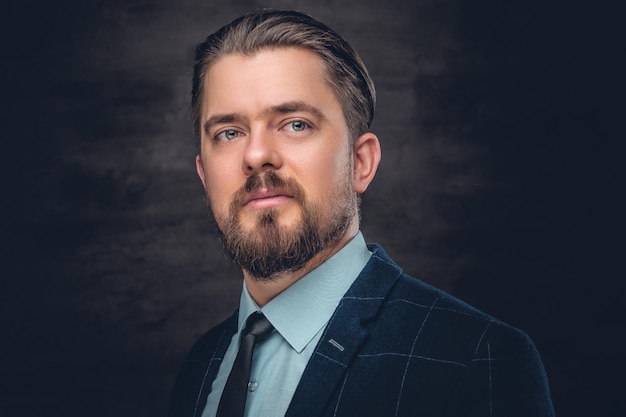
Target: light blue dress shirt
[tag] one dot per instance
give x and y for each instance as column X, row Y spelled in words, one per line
column 299, row 314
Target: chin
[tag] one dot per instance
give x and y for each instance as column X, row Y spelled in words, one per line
column 270, row 217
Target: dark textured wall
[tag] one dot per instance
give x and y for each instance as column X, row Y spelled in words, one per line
column 492, row 117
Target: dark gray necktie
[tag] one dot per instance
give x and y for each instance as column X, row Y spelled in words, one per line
column 233, row 401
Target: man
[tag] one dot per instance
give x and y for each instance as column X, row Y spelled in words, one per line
column 282, row 107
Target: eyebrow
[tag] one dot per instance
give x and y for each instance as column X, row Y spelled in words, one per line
column 284, row 108
column 222, row 119
column 294, row 107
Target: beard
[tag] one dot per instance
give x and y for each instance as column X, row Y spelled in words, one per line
column 271, row 248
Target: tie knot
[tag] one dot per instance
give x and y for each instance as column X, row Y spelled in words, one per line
column 258, row 326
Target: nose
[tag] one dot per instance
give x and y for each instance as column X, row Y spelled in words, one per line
column 261, row 153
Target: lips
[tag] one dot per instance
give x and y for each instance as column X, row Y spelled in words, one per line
column 265, row 195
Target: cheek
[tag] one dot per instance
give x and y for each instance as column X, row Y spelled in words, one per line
column 220, row 188
column 326, row 174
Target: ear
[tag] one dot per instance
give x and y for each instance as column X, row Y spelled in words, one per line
column 366, row 159
column 200, row 170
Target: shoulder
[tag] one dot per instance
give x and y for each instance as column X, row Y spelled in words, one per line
column 211, row 340
column 491, row 365
column 414, row 292
column 448, row 322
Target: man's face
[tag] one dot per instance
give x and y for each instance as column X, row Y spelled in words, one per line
column 275, row 159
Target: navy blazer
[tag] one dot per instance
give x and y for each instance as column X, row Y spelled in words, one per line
column 395, row 346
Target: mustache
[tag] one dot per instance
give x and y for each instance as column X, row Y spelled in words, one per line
column 267, row 180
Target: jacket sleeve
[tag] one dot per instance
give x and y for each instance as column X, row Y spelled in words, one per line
column 506, row 378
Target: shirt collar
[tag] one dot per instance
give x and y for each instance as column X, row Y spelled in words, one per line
column 305, row 307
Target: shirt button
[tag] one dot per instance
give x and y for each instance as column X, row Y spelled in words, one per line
column 252, row 385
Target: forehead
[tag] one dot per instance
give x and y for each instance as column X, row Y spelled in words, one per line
column 266, row 78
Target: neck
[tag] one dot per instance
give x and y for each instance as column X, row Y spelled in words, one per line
column 263, row 291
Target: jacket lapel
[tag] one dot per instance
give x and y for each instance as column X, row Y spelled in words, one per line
column 344, row 335
column 214, row 357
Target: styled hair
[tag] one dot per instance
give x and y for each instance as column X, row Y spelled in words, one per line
column 270, row 29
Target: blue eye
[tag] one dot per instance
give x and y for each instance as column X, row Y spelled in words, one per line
column 297, row 126
column 227, row 135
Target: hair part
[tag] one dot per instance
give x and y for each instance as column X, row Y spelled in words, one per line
column 249, row 34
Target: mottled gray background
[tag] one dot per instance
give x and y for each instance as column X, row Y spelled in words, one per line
column 494, row 117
